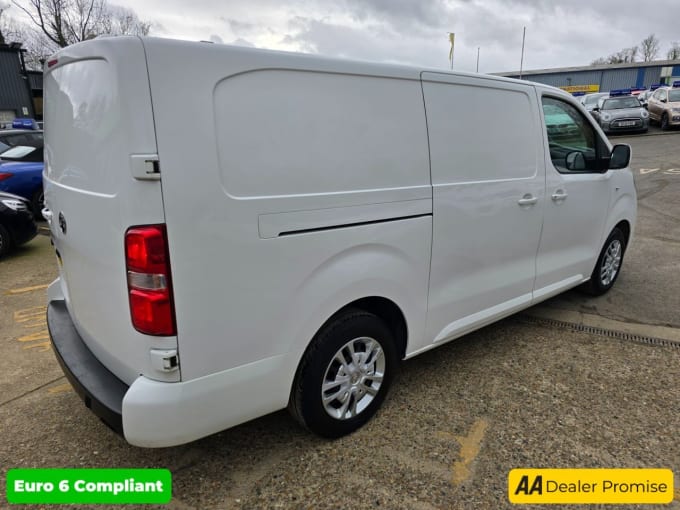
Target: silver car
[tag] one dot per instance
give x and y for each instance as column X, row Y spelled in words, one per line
column 589, row 101
column 618, row 113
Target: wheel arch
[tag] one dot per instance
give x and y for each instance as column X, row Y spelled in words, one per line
column 389, row 312
column 624, row 226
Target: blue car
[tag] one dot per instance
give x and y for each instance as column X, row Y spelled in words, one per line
column 21, row 170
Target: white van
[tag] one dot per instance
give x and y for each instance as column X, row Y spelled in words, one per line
column 317, row 222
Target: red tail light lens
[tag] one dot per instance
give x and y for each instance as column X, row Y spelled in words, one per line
column 5, row 175
column 149, row 283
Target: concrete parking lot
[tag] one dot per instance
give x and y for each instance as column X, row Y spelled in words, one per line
column 574, row 382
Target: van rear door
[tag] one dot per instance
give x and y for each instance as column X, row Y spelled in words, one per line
column 100, row 159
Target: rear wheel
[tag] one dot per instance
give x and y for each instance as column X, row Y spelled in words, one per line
column 345, row 374
column 5, row 241
column 664, row 121
column 608, row 264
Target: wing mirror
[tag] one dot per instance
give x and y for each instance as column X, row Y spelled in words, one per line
column 620, row 157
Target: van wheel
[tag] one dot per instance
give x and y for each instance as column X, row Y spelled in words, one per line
column 664, row 121
column 608, row 264
column 344, row 375
column 5, row 241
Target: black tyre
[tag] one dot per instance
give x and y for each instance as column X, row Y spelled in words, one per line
column 5, row 241
column 664, row 121
column 37, row 204
column 608, row 264
column 344, row 375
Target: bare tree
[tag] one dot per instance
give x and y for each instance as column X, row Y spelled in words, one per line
column 623, row 56
column 674, row 52
column 67, row 22
column 123, row 21
column 3, row 7
column 649, row 48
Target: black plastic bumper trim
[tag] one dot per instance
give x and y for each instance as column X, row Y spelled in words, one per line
column 101, row 391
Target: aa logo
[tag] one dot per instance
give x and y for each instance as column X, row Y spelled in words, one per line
column 528, row 488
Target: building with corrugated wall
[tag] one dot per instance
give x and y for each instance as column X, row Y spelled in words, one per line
column 605, row 77
column 16, row 97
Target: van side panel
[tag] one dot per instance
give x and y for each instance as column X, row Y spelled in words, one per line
column 303, row 185
column 488, row 182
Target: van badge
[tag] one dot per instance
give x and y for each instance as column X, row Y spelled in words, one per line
column 62, row 223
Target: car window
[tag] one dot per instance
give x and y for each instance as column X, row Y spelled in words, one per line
column 592, row 99
column 674, row 95
column 3, row 147
column 23, row 153
column 618, row 103
column 662, row 95
column 569, row 132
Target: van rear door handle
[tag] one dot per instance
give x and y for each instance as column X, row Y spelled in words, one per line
column 527, row 199
column 559, row 195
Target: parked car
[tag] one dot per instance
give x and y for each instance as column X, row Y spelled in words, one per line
column 21, row 169
column 589, row 101
column 618, row 113
column 664, row 106
column 643, row 97
column 11, row 137
column 16, row 222
column 333, row 218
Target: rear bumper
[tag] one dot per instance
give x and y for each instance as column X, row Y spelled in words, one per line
column 155, row 414
column 101, row 391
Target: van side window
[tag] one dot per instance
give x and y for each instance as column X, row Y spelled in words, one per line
column 570, row 132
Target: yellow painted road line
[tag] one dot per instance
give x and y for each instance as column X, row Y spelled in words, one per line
column 29, row 313
column 42, row 346
column 62, row 388
column 38, row 335
column 469, row 449
column 27, row 289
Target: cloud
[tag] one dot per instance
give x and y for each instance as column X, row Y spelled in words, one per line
column 216, row 39
column 560, row 33
column 242, row 42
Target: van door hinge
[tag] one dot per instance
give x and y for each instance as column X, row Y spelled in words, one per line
column 145, row 167
column 164, row 360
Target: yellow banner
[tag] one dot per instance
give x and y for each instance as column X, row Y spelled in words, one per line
column 582, row 88
column 590, row 486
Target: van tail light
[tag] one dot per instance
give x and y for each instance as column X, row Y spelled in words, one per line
column 5, row 175
column 149, row 284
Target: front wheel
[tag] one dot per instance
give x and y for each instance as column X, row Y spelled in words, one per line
column 344, row 375
column 664, row 122
column 608, row 264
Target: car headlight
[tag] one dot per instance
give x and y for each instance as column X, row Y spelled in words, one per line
column 675, row 110
column 644, row 114
column 16, row 205
column 606, row 116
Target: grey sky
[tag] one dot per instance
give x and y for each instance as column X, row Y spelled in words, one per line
column 559, row 33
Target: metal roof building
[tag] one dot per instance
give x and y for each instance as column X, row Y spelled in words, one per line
column 605, row 77
column 16, row 97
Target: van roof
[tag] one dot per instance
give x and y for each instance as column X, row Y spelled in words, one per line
column 335, row 64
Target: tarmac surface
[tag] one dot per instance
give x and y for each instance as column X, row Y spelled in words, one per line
column 530, row 391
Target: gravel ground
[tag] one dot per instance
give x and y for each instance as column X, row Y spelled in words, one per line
column 540, row 397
